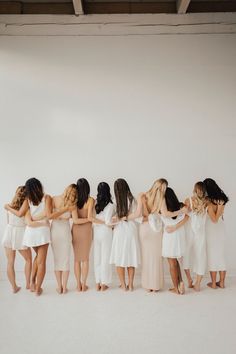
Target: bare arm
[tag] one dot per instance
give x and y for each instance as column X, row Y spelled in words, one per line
column 33, row 223
column 171, row 214
column 173, row 228
column 94, row 219
column 76, row 219
column 21, row 212
column 138, row 212
column 215, row 214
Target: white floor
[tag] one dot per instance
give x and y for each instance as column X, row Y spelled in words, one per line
column 116, row 322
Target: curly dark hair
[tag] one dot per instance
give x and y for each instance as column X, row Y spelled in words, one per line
column 103, row 197
column 214, row 192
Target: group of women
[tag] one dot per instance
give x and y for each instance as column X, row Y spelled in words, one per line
column 127, row 233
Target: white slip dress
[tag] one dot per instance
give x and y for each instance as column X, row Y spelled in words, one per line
column 173, row 244
column 37, row 236
column 102, row 235
column 215, row 237
column 14, row 232
column 125, row 250
column 197, row 231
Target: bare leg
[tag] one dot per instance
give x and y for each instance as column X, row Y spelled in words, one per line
column 189, row 278
column 41, row 262
column 84, row 272
column 65, row 277
column 196, row 286
column 121, row 275
column 174, row 274
column 34, row 270
column 77, row 271
column 58, row 275
column 131, row 271
column 10, row 269
column 26, row 254
column 221, row 283
column 181, row 283
column 212, row 284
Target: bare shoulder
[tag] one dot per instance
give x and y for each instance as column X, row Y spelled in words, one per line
column 47, row 197
column 91, row 200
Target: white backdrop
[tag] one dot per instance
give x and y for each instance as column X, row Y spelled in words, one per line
column 138, row 107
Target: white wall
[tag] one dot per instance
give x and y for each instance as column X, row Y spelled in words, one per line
column 139, row 107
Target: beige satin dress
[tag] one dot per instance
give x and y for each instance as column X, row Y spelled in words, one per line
column 82, row 237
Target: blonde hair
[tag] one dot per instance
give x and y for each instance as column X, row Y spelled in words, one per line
column 199, row 198
column 19, row 198
column 155, row 195
column 70, row 195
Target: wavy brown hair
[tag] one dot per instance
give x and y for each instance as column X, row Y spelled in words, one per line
column 124, row 198
column 19, row 198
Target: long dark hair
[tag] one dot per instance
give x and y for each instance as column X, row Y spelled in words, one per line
column 103, row 197
column 172, row 201
column 34, row 190
column 214, row 192
column 124, row 197
column 83, row 190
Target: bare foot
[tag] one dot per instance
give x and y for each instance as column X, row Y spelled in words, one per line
column 181, row 288
column 149, row 290
column 155, row 291
column 65, row 291
column 123, row 287
column 84, row 287
column 59, row 290
column 39, row 292
column 104, row 287
column 79, row 287
column 190, row 284
column 98, row 287
column 16, row 289
column 130, row 287
column 211, row 285
column 196, row 287
column 27, row 286
column 32, row 287
column 174, row 291
column 220, row 284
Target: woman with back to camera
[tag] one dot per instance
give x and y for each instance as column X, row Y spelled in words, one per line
column 61, row 238
column 37, row 237
column 125, row 252
column 13, row 237
column 82, row 233
column 104, row 210
column 150, row 234
column 215, row 233
column 173, row 244
column 195, row 252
